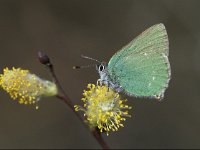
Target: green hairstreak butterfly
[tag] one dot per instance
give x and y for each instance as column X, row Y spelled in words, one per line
column 141, row 68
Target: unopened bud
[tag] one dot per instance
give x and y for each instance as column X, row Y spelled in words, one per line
column 43, row 58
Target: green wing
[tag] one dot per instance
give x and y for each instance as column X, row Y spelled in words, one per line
column 142, row 67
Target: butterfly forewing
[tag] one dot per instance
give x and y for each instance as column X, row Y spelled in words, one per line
column 142, row 68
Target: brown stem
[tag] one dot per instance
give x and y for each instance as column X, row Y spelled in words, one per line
column 44, row 59
column 96, row 134
column 68, row 102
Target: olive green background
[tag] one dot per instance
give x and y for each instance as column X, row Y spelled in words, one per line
column 98, row 28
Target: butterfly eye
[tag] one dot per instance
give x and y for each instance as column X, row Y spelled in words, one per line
column 101, row 68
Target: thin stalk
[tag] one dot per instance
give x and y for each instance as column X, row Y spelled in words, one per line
column 44, row 59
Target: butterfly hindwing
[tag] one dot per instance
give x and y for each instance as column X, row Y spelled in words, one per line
column 142, row 68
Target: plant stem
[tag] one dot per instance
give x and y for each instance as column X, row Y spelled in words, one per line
column 44, row 59
column 96, row 134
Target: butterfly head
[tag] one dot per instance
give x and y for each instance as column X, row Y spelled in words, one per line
column 103, row 71
column 102, row 67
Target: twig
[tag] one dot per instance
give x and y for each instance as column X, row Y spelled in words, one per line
column 44, row 59
column 97, row 135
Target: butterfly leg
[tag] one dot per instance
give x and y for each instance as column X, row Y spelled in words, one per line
column 99, row 82
column 108, row 84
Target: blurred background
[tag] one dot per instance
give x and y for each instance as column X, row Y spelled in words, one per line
column 65, row 29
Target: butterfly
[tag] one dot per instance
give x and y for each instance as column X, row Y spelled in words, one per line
column 141, row 68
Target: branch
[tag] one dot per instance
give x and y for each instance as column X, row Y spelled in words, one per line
column 44, row 59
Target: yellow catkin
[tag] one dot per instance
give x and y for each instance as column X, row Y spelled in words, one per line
column 25, row 87
column 103, row 108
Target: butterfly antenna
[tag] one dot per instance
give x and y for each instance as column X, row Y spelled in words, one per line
column 83, row 67
column 87, row 66
column 90, row 58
